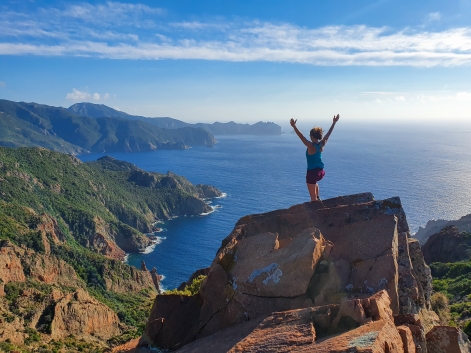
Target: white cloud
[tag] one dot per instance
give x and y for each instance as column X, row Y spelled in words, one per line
column 381, row 93
column 463, row 96
column 434, row 16
column 400, row 98
column 77, row 95
column 135, row 31
column 108, row 11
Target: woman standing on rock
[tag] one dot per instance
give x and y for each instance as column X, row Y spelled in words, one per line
column 315, row 147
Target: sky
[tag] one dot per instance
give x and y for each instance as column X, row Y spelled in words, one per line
column 245, row 61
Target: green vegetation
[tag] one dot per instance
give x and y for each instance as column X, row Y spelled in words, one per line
column 58, row 129
column 191, row 289
column 452, row 282
column 56, row 205
column 84, row 197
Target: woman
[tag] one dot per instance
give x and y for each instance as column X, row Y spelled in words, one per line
column 315, row 147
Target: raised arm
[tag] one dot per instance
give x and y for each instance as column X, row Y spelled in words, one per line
column 326, row 137
column 300, row 135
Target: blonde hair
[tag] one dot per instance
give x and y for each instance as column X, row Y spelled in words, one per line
column 317, row 132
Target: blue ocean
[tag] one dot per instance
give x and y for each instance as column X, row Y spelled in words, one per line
column 428, row 168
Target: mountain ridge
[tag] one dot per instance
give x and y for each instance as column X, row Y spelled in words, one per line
column 38, row 125
column 230, row 128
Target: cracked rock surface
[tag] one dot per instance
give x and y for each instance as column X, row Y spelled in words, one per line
column 319, row 258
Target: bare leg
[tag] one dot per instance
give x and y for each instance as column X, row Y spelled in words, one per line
column 312, row 191
column 317, row 192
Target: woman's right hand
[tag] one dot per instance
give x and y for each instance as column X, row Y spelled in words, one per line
column 336, row 118
column 293, row 122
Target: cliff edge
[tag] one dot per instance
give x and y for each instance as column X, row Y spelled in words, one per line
column 343, row 275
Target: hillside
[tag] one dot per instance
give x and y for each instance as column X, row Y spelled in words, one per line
column 448, row 252
column 30, row 124
column 64, row 229
column 113, row 196
column 230, row 128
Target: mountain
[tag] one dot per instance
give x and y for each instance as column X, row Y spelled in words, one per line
column 100, row 110
column 59, row 129
column 230, row 128
column 65, row 227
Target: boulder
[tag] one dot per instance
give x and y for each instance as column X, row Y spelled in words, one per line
column 446, row 339
column 173, row 320
column 448, row 245
column 407, row 339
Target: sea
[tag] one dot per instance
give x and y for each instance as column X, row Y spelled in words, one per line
column 429, row 168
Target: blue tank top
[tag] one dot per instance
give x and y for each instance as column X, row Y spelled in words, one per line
column 314, row 160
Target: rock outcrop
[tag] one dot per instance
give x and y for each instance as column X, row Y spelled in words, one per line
column 81, row 315
column 316, row 260
column 62, row 306
column 355, row 325
column 446, row 339
column 435, row 226
column 448, row 245
column 16, row 264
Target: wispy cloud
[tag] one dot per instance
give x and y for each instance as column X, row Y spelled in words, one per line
column 135, row 31
column 434, row 16
column 3, row 84
column 77, row 95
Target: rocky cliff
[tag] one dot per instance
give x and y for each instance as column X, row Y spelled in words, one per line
column 434, row 226
column 342, row 275
column 51, row 288
column 448, row 245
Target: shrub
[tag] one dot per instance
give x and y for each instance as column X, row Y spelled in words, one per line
column 467, row 328
column 440, row 305
column 191, row 289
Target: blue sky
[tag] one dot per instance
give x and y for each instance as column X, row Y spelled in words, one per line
column 243, row 60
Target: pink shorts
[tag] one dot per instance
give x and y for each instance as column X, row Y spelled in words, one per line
column 314, row 175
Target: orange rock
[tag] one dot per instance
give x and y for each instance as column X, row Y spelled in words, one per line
column 407, row 339
column 334, row 255
column 11, row 269
column 374, row 337
column 83, row 316
column 446, row 339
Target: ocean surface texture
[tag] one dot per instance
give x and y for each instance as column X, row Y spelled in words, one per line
column 429, row 169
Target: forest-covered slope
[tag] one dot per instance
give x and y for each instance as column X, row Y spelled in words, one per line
column 55, row 128
column 65, row 226
column 231, row 128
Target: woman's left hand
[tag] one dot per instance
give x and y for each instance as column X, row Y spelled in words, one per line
column 293, row 122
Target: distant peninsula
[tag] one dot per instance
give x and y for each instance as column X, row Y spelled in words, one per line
column 59, row 129
column 231, row 128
